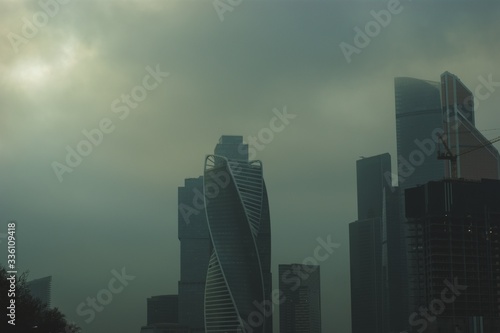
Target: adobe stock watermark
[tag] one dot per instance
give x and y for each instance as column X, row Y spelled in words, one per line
column 223, row 6
column 427, row 147
column 266, row 135
column 407, row 166
column 372, row 29
column 104, row 296
column 484, row 89
column 301, row 273
column 222, row 178
column 436, row 306
column 71, row 328
column 95, row 136
column 31, row 28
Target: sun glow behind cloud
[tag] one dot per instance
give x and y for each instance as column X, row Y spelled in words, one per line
column 33, row 72
column 30, row 72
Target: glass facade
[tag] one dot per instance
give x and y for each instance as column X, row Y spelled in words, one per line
column 456, row 232
column 476, row 159
column 163, row 309
column 370, row 174
column 367, row 277
column 300, row 286
column 195, row 254
column 377, row 251
column 418, row 124
column 239, row 276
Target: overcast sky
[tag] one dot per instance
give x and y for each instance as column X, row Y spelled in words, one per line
column 228, row 71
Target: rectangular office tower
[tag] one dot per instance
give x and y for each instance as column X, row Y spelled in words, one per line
column 419, row 121
column 377, row 251
column 456, row 250
column 195, row 254
column 438, row 119
column 238, row 280
column 472, row 157
column 300, row 311
column 163, row 309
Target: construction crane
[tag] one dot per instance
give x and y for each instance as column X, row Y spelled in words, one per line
column 448, row 155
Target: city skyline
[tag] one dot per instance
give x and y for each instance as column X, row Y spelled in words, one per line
column 393, row 258
column 271, row 71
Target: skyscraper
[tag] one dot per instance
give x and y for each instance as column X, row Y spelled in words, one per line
column 428, row 113
column 377, row 251
column 368, row 265
column 195, row 254
column 371, row 183
column 239, row 273
column 456, row 267
column 368, row 304
column 300, row 311
column 475, row 158
column 163, row 309
column 418, row 124
column 41, row 289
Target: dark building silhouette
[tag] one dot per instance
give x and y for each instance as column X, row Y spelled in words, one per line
column 163, row 309
column 41, row 289
column 455, row 239
column 367, row 276
column 368, row 272
column 239, row 271
column 377, row 251
column 300, row 287
column 232, row 148
column 371, row 183
column 195, row 254
column 419, row 123
column 428, row 113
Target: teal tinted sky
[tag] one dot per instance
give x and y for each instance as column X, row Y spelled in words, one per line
column 118, row 207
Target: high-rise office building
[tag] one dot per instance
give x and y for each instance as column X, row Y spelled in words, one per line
column 368, row 303
column 418, row 125
column 41, row 289
column 163, row 309
column 300, row 311
column 195, row 254
column 475, row 157
column 455, row 242
column 232, row 148
column 377, row 251
column 239, row 271
column 428, row 113
column 370, row 183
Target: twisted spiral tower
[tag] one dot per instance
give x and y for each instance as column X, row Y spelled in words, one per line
column 238, row 277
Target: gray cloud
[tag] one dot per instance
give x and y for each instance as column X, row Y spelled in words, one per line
column 118, row 208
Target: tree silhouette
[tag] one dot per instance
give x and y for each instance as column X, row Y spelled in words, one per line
column 31, row 314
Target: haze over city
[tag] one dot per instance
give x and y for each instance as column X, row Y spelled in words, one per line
column 264, row 66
